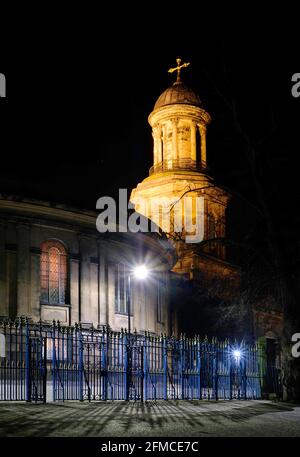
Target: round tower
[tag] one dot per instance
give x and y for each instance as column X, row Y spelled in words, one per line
column 179, row 195
column 179, row 124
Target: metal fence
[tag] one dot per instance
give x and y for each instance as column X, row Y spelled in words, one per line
column 42, row 362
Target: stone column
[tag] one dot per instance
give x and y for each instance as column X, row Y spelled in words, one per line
column 155, row 146
column 103, row 284
column 74, row 287
column 85, row 297
column 174, row 139
column 35, row 278
column 11, row 281
column 162, row 144
column 159, row 144
column 94, row 289
column 110, row 307
column 3, row 302
column 142, row 317
column 202, row 130
column 23, row 270
column 193, row 141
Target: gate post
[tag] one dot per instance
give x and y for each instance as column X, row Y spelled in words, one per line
column 141, row 350
column 28, row 363
column 44, row 355
column 257, row 363
column 104, row 355
column 80, row 367
column 53, row 362
column 199, row 368
column 145, row 367
column 245, row 378
column 182, row 365
column 216, row 363
column 165, row 368
column 230, row 377
column 127, row 366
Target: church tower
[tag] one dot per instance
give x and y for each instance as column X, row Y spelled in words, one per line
column 179, row 192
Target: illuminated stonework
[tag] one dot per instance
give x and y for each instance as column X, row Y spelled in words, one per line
column 179, row 123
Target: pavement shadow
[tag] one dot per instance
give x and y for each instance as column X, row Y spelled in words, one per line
column 127, row 419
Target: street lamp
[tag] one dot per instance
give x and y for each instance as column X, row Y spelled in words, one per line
column 237, row 353
column 139, row 272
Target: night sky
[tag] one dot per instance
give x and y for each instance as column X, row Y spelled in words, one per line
column 74, row 124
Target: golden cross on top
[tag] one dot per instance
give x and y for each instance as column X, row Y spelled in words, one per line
column 178, row 68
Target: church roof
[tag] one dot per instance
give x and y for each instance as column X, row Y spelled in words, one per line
column 178, row 93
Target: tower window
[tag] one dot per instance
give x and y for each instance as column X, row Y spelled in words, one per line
column 53, row 267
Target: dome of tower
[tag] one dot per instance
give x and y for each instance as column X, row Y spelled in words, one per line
column 178, row 93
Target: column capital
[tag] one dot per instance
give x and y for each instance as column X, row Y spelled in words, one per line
column 202, row 128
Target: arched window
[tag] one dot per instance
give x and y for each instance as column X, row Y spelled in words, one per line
column 53, row 273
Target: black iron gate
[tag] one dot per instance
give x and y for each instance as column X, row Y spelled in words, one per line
column 135, row 372
column 36, row 369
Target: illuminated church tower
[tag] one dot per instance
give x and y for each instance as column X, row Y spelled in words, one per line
column 179, row 190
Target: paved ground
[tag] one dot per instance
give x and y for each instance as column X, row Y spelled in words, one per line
column 182, row 418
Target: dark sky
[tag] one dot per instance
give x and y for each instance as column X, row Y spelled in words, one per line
column 74, row 124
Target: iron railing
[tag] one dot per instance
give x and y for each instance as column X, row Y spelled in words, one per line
column 50, row 362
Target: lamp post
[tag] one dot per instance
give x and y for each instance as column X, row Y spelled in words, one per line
column 128, row 303
column 139, row 272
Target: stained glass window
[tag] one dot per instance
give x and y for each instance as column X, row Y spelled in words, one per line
column 53, row 273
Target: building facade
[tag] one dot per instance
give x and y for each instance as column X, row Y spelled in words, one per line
column 55, row 265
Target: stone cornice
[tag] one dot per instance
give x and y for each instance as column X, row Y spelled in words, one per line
column 195, row 180
column 199, row 115
column 41, row 213
column 44, row 210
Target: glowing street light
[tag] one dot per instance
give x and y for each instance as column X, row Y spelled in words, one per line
column 237, row 353
column 141, row 272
